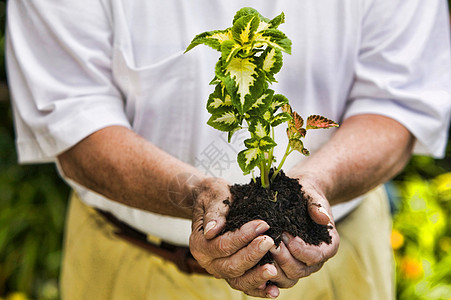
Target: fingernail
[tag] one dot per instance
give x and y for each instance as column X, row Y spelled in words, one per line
column 209, row 226
column 285, row 239
column 275, row 250
column 272, row 294
column 261, row 228
column 324, row 212
column 270, row 272
column 265, row 244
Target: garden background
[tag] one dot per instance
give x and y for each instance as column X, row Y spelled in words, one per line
column 33, row 203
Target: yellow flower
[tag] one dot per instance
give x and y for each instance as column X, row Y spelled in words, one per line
column 396, row 239
column 411, row 268
column 17, row 296
column 443, row 182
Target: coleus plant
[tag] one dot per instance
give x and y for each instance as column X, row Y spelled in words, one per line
column 251, row 54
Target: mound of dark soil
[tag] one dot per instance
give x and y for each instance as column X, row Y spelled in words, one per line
column 283, row 207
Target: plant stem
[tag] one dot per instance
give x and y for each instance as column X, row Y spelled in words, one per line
column 287, row 152
column 271, row 151
column 264, row 175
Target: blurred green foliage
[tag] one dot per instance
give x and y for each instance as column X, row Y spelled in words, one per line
column 32, row 212
column 421, row 237
column 33, row 205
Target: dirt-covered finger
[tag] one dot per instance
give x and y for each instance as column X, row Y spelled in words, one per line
column 312, row 254
column 292, row 268
column 231, row 242
column 254, row 282
column 245, row 259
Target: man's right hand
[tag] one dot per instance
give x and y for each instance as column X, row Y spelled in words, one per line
column 232, row 255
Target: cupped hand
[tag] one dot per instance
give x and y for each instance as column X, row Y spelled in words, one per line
column 232, row 255
column 295, row 258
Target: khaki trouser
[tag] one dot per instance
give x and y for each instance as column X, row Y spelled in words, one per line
column 98, row 265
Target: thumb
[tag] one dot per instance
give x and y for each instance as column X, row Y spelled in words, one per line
column 320, row 212
column 213, row 203
column 215, row 218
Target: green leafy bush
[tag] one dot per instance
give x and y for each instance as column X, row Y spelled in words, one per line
column 421, row 238
column 32, row 212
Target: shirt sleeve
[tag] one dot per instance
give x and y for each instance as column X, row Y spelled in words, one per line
column 403, row 69
column 59, row 71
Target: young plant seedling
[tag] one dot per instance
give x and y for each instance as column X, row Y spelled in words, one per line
column 251, row 54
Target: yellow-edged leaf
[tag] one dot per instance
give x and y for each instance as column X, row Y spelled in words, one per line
column 244, row 28
column 218, row 99
column 251, row 143
column 259, row 128
column 225, row 119
column 272, row 63
column 214, row 39
column 249, row 158
column 261, row 105
column 273, row 38
column 246, row 79
column 266, row 143
column 278, row 101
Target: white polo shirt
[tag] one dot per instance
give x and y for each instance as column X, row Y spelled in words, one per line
column 76, row 67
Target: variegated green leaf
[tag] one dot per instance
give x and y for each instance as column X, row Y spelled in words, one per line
column 259, row 128
column 317, row 122
column 279, row 101
column 228, row 50
column 252, row 142
column 244, row 80
column 218, row 99
column 266, row 143
column 280, row 118
column 214, row 39
column 273, row 38
column 267, row 116
column 265, row 23
column 224, row 119
column 272, row 62
column 243, row 29
column 248, row 159
column 261, row 104
column 246, row 11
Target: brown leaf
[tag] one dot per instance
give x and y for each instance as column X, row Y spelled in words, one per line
column 298, row 121
column 317, row 121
